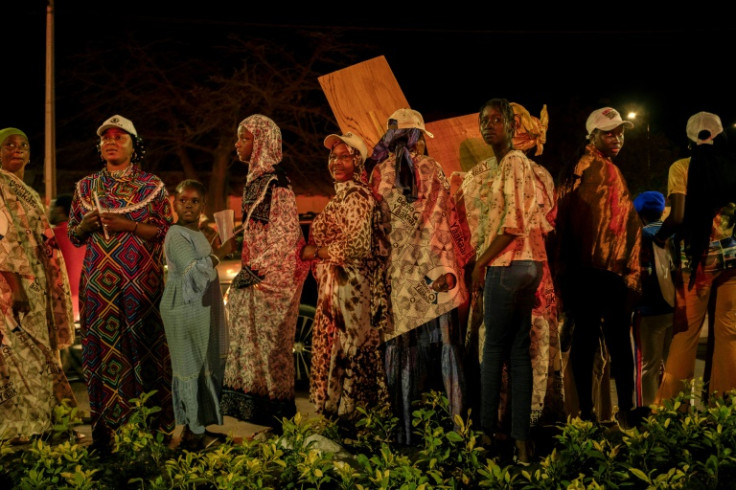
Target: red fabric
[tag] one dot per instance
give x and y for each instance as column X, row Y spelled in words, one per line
column 73, row 257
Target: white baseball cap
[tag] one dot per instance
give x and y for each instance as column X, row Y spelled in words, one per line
column 605, row 119
column 350, row 139
column 409, row 118
column 117, row 121
column 703, row 121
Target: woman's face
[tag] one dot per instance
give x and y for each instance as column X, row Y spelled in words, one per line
column 244, row 144
column 342, row 163
column 15, row 153
column 116, row 147
column 188, row 205
column 494, row 128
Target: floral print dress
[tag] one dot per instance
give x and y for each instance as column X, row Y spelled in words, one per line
column 263, row 299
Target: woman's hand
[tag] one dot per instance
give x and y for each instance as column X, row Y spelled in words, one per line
column 18, row 294
column 21, row 303
column 117, row 223
column 90, row 223
column 478, row 278
column 226, row 248
column 309, row 252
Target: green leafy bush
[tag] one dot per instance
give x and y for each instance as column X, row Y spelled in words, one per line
column 685, row 444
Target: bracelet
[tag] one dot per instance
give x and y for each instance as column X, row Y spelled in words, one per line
column 215, row 260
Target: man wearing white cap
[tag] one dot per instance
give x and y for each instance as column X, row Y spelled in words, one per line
column 697, row 186
column 597, row 260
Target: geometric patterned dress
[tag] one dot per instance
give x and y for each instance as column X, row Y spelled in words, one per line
column 125, row 353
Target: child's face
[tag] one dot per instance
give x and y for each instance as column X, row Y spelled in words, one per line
column 188, row 205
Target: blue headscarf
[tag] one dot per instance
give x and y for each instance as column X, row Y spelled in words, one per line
column 401, row 142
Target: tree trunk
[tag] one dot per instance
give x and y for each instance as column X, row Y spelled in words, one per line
column 218, row 197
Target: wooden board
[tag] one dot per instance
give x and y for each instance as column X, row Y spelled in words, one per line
column 457, row 143
column 362, row 96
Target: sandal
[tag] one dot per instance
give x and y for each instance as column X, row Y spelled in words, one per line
column 19, row 441
column 191, row 441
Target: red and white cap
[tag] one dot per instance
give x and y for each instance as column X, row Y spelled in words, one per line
column 605, row 119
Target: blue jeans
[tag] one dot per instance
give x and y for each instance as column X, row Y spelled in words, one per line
column 508, row 299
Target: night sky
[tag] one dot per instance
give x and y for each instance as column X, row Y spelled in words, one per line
column 448, row 62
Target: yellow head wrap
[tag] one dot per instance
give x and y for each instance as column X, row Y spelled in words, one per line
column 530, row 131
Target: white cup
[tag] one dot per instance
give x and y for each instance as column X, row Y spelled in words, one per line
column 225, row 221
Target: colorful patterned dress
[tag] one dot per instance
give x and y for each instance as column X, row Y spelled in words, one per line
column 32, row 382
column 347, row 366
column 124, row 346
column 194, row 319
column 263, row 299
column 423, row 345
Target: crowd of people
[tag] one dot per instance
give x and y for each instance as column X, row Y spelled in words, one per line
column 504, row 294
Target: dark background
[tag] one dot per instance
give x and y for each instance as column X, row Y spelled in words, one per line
column 448, row 60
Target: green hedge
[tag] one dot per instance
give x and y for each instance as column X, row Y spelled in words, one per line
column 680, row 446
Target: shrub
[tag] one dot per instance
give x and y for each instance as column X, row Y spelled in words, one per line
column 680, row 445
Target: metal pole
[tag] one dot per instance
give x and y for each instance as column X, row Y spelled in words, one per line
column 649, row 162
column 49, row 166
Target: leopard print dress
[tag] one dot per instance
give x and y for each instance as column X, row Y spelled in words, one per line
column 347, row 369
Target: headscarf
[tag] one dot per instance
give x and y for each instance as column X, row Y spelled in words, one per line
column 5, row 133
column 266, row 145
column 401, row 142
column 530, row 131
column 9, row 132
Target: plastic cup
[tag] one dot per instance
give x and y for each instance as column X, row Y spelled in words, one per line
column 225, row 221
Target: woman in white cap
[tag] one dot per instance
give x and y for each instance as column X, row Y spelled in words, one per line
column 426, row 281
column 702, row 191
column 347, row 367
column 37, row 319
column 121, row 214
column 263, row 299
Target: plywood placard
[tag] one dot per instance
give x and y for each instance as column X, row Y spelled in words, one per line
column 362, row 96
column 457, row 143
